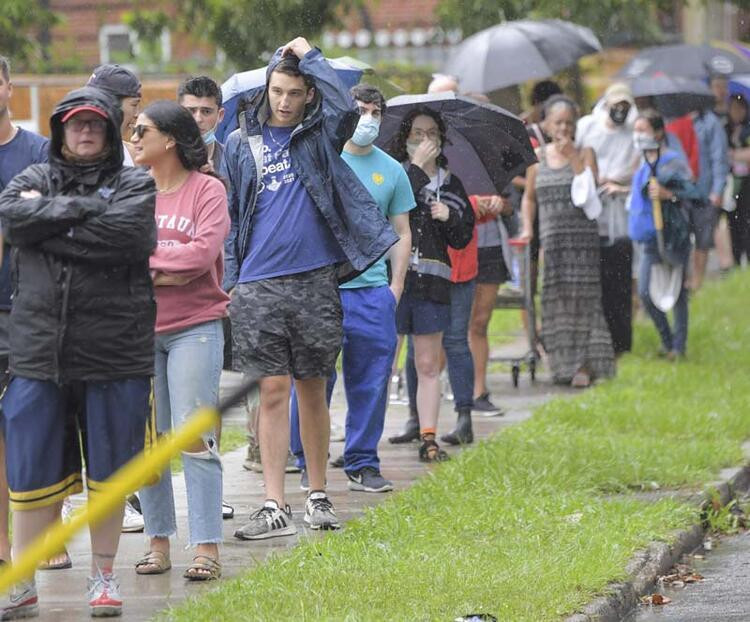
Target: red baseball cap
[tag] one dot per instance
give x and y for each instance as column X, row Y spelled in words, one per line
column 78, row 109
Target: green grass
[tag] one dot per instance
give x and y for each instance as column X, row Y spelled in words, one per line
column 525, row 525
column 232, row 437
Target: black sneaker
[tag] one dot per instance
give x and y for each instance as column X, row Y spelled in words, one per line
column 338, row 463
column 482, row 404
column 269, row 521
column 368, row 479
column 319, row 512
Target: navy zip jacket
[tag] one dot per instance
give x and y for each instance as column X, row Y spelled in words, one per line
column 360, row 229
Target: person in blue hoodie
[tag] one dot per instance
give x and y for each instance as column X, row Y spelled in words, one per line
column 672, row 184
column 301, row 223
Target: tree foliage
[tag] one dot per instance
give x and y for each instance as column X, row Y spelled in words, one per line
column 614, row 21
column 249, row 30
column 21, row 22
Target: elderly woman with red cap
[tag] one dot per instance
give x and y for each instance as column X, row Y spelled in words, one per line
column 82, row 331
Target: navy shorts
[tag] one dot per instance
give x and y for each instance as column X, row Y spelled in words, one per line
column 421, row 317
column 43, row 423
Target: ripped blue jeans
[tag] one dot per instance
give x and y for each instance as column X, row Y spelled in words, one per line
column 187, row 372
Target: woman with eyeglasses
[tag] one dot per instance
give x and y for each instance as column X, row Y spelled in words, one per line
column 192, row 221
column 443, row 217
column 81, row 333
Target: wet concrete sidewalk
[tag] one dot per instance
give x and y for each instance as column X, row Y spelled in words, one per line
column 62, row 593
column 722, row 595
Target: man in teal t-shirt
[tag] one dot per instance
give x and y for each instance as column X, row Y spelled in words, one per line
column 369, row 304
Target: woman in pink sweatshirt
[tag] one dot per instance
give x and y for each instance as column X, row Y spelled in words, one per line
column 187, row 267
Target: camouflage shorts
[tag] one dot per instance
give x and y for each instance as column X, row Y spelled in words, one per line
column 287, row 325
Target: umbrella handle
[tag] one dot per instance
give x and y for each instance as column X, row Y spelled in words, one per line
column 656, row 210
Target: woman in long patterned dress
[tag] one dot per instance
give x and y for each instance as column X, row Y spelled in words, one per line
column 574, row 331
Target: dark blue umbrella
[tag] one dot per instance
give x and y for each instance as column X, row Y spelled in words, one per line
column 674, row 96
column 690, row 61
column 487, row 145
column 245, row 83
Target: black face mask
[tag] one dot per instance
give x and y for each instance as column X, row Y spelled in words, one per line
column 619, row 113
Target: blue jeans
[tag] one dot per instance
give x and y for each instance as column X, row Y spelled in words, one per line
column 368, row 349
column 187, row 372
column 457, row 353
column 671, row 340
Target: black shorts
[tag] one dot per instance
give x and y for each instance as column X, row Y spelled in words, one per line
column 287, row 325
column 703, row 220
column 492, row 268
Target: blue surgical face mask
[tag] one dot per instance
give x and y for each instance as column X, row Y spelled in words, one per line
column 209, row 137
column 367, row 131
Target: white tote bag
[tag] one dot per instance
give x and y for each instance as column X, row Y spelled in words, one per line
column 583, row 194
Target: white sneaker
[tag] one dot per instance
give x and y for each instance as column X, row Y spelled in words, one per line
column 22, row 602
column 132, row 521
column 67, row 510
column 104, row 596
column 337, row 433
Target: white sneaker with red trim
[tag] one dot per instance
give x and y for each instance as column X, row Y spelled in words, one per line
column 21, row 602
column 104, row 595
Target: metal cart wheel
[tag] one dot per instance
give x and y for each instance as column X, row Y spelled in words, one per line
column 516, row 372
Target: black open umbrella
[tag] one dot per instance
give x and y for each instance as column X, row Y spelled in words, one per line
column 673, row 96
column 487, row 145
column 514, row 52
column 690, row 61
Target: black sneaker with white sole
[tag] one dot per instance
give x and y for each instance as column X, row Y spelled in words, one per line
column 270, row 521
column 483, row 405
column 319, row 512
column 368, row 479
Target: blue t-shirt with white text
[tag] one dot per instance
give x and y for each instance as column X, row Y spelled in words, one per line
column 26, row 148
column 289, row 234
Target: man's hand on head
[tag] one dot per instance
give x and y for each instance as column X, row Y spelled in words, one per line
column 298, row 47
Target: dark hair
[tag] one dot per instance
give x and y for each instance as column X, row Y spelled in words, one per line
column 289, row 65
column 5, row 68
column 654, row 119
column 171, row 118
column 368, row 94
column 740, row 99
column 543, row 90
column 397, row 147
column 201, row 86
column 555, row 100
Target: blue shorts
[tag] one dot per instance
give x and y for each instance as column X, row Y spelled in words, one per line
column 421, row 317
column 43, row 423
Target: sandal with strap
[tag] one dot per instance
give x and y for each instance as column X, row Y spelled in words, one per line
column 58, row 562
column 207, row 570
column 430, row 451
column 153, row 562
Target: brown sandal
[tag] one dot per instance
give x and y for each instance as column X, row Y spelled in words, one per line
column 153, row 562
column 208, row 569
column 57, row 562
